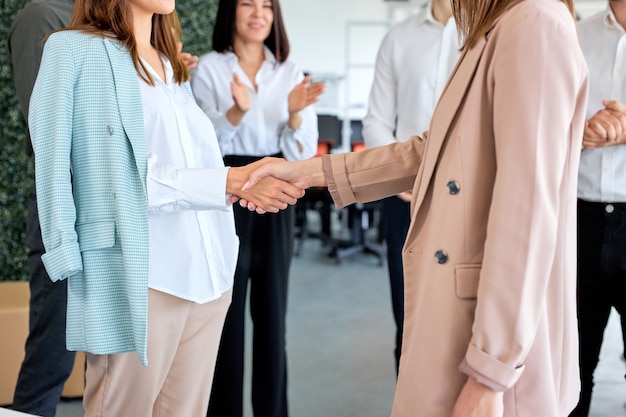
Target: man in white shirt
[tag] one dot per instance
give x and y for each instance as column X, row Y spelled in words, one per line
column 413, row 65
column 601, row 189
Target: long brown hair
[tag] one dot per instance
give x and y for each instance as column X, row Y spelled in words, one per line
column 475, row 17
column 113, row 18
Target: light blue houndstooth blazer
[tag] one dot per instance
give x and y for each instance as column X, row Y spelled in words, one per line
column 86, row 123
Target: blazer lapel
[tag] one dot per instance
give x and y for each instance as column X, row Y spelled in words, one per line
column 445, row 112
column 129, row 102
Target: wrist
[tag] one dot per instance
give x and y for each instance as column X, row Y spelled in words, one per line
column 235, row 178
column 295, row 120
column 235, row 114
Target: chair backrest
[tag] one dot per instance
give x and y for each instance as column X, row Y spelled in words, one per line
column 358, row 146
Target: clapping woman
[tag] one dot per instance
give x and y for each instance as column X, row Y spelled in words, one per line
column 260, row 104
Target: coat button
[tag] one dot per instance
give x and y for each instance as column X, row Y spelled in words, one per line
column 110, row 129
column 441, row 256
column 453, row 187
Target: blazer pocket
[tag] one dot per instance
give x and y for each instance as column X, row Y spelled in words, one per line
column 467, row 278
column 96, row 235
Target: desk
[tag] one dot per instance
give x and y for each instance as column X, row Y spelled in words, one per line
column 14, row 306
column 14, row 298
column 10, row 413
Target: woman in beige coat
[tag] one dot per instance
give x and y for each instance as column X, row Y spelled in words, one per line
column 490, row 258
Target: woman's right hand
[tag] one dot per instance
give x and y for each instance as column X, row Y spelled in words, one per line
column 241, row 94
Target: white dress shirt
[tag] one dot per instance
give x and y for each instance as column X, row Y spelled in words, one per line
column 414, row 62
column 193, row 243
column 263, row 130
column 602, row 173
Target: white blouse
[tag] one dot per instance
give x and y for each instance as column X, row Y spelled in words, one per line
column 263, row 130
column 193, row 243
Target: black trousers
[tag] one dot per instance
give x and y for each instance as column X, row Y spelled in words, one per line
column 396, row 221
column 601, row 283
column 47, row 364
column 266, row 247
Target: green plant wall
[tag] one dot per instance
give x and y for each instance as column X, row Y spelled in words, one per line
column 16, row 170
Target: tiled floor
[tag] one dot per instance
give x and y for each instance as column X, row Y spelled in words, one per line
column 340, row 342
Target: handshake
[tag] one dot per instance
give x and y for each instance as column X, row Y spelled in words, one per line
column 272, row 184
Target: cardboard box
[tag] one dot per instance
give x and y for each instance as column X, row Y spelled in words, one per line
column 14, row 299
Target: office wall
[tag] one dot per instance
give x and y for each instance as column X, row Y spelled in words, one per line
column 337, row 40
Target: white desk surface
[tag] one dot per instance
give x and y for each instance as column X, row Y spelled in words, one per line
column 10, row 413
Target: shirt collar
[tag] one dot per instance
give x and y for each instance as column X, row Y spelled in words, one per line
column 425, row 14
column 610, row 21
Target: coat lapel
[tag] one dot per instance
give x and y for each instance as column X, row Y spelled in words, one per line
column 445, row 112
column 129, row 102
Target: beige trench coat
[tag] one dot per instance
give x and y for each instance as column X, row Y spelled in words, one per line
column 490, row 257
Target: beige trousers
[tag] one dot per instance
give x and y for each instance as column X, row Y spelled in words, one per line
column 183, row 338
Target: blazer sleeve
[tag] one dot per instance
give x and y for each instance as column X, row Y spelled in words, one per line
column 50, row 122
column 538, row 83
column 373, row 173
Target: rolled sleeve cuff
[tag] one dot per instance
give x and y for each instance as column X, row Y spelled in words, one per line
column 489, row 371
column 63, row 262
column 337, row 180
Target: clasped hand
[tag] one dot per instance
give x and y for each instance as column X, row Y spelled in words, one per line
column 267, row 194
column 607, row 127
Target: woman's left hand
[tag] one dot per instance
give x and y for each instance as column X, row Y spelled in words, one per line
column 477, row 400
column 304, row 94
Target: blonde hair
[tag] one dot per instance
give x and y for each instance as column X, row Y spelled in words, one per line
column 475, row 17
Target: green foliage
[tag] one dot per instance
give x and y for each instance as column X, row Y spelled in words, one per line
column 16, row 170
column 196, row 19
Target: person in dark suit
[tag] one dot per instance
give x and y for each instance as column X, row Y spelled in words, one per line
column 47, row 363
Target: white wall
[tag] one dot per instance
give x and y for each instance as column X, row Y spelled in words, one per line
column 320, row 31
column 334, row 38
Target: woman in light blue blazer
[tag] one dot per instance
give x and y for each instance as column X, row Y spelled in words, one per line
column 134, row 205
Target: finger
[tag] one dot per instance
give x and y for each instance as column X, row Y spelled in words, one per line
column 237, row 79
column 306, row 80
column 593, row 140
column 598, row 129
column 593, row 144
column 611, row 123
column 618, row 121
column 590, row 134
column 292, row 191
column 316, row 88
column 251, row 206
column 191, row 61
column 233, row 199
column 614, row 105
column 256, row 176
